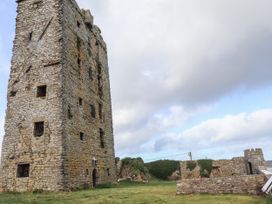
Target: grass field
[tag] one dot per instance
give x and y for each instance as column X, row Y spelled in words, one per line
column 152, row 193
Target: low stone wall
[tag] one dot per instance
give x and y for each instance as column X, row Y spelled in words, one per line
column 246, row 184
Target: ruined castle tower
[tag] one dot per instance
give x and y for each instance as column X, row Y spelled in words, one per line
column 254, row 160
column 58, row 130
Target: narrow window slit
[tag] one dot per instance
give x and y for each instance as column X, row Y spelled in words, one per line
column 81, row 136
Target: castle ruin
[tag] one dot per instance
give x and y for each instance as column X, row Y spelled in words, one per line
column 239, row 175
column 58, row 129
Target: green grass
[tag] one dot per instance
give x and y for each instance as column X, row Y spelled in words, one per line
column 129, row 193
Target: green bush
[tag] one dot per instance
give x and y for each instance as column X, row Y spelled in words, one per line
column 191, row 165
column 137, row 164
column 205, row 167
column 162, row 169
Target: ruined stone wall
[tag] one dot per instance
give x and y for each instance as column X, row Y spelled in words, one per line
column 233, row 167
column 247, row 184
column 86, row 78
column 57, row 45
column 220, row 168
column 254, row 160
column 36, row 61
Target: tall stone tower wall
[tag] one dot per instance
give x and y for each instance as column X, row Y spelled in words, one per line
column 58, row 130
column 87, row 94
column 254, row 160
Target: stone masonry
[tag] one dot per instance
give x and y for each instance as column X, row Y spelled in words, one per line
column 246, row 184
column 240, row 175
column 58, row 130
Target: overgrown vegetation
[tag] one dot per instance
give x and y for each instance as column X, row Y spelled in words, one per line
column 128, row 193
column 136, row 165
column 269, row 200
column 162, row 169
column 205, row 167
column 191, row 165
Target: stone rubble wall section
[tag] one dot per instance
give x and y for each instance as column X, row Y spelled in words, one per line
column 221, row 168
column 247, row 184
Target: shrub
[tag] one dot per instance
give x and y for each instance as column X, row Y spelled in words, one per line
column 162, row 169
column 205, row 167
column 137, row 164
column 191, row 165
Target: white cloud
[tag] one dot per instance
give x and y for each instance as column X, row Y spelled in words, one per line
column 241, row 130
column 179, row 53
column 170, row 60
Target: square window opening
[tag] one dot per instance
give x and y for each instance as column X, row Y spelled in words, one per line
column 41, row 91
column 23, row 170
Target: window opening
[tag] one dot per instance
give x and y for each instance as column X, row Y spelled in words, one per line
column 41, row 91
column 23, row 170
column 38, row 129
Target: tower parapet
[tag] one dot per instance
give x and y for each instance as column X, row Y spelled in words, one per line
column 254, row 160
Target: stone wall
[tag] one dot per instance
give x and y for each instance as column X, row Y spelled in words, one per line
column 220, row 168
column 254, row 160
column 86, row 76
column 247, row 184
column 57, row 45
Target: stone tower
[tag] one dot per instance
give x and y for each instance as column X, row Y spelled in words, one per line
column 58, row 130
column 254, row 160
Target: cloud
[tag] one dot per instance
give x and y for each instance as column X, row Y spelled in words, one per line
column 178, row 53
column 230, row 132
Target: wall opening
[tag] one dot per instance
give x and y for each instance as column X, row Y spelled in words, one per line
column 69, row 113
column 80, row 101
column 12, row 93
column 250, row 168
column 81, row 135
column 93, row 112
column 108, row 172
column 30, row 36
column 23, row 170
column 78, row 24
column 38, row 129
column 90, row 73
column 95, row 178
column 100, row 111
column 41, row 91
column 101, row 135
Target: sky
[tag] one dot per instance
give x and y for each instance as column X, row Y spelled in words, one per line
column 186, row 76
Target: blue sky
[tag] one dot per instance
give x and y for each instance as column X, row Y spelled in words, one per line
column 185, row 76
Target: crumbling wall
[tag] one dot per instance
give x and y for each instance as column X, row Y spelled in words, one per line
column 254, row 160
column 219, row 168
column 246, row 184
